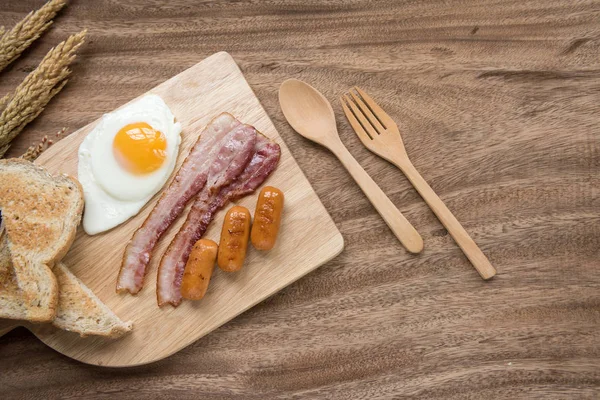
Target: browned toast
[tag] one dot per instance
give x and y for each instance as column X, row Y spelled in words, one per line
column 40, row 214
column 78, row 310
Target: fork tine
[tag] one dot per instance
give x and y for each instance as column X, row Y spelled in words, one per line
column 367, row 111
column 361, row 118
column 385, row 119
column 360, row 132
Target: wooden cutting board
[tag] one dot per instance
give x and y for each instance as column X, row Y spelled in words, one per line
column 308, row 237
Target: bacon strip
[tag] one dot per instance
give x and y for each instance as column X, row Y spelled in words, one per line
column 208, row 202
column 190, row 179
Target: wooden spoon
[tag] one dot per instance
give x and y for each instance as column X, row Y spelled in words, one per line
column 311, row 115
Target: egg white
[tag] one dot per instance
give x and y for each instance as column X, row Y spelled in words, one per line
column 112, row 194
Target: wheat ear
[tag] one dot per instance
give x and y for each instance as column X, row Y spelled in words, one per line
column 33, row 94
column 15, row 41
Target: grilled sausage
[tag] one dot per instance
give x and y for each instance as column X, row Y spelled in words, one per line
column 267, row 218
column 199, row 269
column 234, row 239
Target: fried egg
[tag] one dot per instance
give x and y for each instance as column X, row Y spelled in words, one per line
column 125, row 160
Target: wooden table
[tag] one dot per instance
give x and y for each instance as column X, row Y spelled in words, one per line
column 499, row 105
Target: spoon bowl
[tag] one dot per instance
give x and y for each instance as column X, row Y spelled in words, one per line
column 308, row 112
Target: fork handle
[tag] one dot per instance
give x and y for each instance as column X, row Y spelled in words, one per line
column 460, row 235
column 404, row 231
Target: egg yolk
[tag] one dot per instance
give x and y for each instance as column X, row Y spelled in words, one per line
column 139, row 148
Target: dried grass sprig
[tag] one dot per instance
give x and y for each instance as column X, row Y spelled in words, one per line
column 15, row 41
column 34, row 151
column 33, row 94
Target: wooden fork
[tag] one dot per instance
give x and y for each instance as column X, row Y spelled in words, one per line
column 380, row 134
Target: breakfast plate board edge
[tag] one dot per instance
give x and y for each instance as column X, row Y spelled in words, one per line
column 308, row 236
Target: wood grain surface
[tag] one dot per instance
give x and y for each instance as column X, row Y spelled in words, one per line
column 498, row 105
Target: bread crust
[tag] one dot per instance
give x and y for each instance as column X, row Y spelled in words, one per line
column 41, row 213
column 80, row 311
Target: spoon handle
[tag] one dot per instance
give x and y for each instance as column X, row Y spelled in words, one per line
column 404, row 231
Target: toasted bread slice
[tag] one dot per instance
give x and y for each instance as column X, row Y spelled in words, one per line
column 79, row 310
column 11, row 301
column 40, row 215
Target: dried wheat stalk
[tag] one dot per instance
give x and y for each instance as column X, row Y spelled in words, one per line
column 33, row 94
column 15, row 41
column 35, row 150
